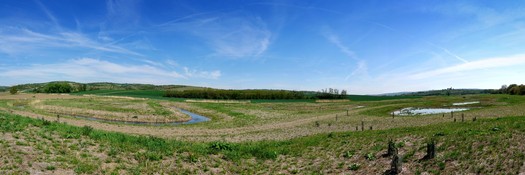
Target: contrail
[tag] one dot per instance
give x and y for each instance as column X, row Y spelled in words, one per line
column 454, row 55
column 448, row 52
column 412, row 37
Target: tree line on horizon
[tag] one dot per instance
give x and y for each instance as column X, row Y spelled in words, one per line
column 220, row 94
column 56, row 87
column 512, row 89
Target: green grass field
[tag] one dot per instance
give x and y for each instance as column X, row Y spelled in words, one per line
column 485, row 146
column 275, row 137
column 158, row 94
column 152, row 94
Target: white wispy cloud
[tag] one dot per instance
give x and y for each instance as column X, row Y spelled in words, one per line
column 362, row 68
column 21, row 40
column 202, row 74
column 231, row 36
column 474, row 65
column 334, row 39
column 48, row 14
column 485, row 14
column 89, row 69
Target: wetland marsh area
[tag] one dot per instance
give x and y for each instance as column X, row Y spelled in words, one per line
column 42, row 133
column 255, row 87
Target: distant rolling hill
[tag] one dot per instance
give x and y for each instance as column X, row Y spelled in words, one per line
column 76, row 87
column 3, row 88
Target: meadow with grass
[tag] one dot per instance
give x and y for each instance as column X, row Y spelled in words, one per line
column 41, row 134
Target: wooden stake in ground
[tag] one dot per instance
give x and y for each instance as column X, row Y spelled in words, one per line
column 390, row 150
column 462, row 117
column 396, row 164
column 431, row 150
column 362, row 125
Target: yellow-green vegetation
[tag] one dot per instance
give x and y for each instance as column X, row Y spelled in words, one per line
column 108, row 108
column 487, row 146
column 264, row 137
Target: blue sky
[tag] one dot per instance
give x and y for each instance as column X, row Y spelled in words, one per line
column 365, row 47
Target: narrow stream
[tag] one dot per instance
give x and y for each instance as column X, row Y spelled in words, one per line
column 195, row 118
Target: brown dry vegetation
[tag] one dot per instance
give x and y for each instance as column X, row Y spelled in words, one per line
column 313, row 138
column 272, row 121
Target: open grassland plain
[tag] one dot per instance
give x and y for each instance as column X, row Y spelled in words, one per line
column 110, row 108
column 264, row 137
column 235, row 122
column 485, row 146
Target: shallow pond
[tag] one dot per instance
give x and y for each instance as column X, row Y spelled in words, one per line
column 195, row 118
column 465, row 103
column 426, row 111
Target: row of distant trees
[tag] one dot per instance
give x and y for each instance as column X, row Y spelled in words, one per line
column 255, row 94
column 513, row 89
column 56, row 87
column 235, row 94
column 330, row 93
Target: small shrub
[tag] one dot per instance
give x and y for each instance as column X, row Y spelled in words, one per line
column 441, row 165
column 408, row 155
column 85, row 168
column 113, row 151
column 86, row 130
column 71, row 136
column 370, row 156
column 154, row 156
column 149, row 155
column 50, row 167
column 232, row 155
column 439, row 134
column 192, row 158
column 400, row 145
column 45, row 122
column 354, row 166
column 221, row 146
column 348, row 154
column 20, row 143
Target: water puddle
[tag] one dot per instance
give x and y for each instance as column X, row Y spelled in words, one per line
column 465, row 103
column 426, row 111
column 195, row 118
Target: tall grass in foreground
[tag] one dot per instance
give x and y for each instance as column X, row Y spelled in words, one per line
column 155, row 147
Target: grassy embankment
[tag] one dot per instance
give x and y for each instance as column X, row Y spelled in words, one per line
column 486, row 146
